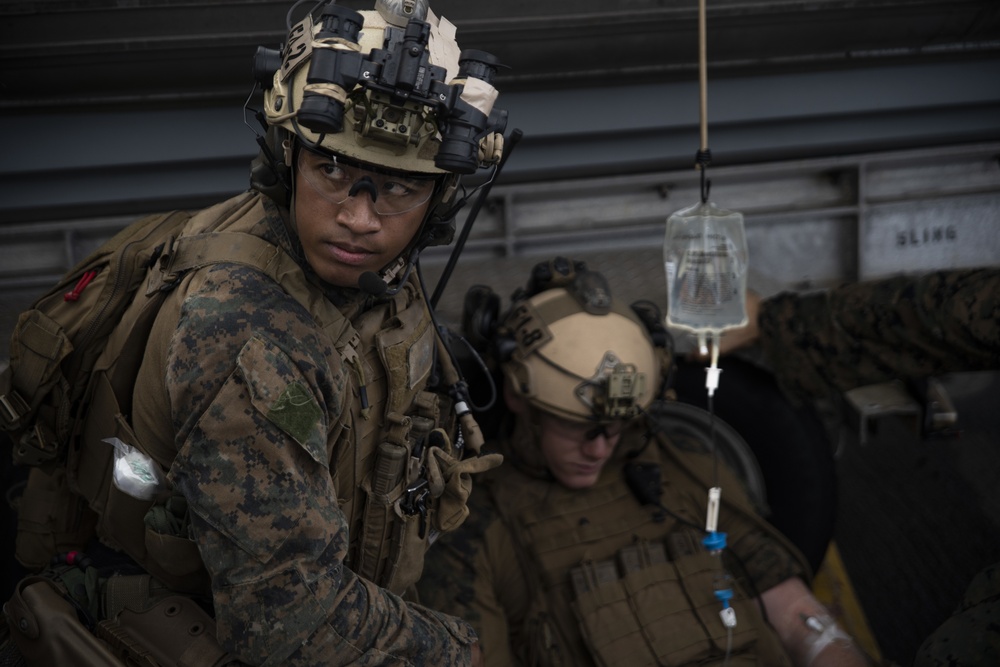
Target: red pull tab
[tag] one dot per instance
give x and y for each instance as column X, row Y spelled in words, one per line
column 80, row 286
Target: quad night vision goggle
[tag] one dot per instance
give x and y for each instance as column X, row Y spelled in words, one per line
column 385, row 83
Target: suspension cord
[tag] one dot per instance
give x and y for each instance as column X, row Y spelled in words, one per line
column 703, row 73
column 704, row 155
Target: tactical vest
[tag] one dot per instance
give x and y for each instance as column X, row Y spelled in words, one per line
column 616, row 583
column 381, row 461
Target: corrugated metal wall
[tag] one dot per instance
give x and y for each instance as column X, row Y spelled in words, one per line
column 809, row 223
column 858, row 138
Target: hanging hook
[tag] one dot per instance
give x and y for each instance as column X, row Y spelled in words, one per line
column 703, row 158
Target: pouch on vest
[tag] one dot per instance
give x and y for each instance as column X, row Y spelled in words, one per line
column 607, row 623
column 411, row 496
column 697, row 575
column 437, row 501
column 389, row 535
column 646, row 609
column 400, row 507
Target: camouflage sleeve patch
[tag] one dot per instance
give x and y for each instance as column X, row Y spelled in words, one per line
column 901, row 327
column 279, row 392
column 262, row 489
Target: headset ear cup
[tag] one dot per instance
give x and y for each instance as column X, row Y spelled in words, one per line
column 480, row 312
column 439, row 228
column 268, row 172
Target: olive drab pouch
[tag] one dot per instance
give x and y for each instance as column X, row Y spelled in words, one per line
column 388, row 532
column 413, row 495
column 606, row 620
column 649, row 606
column 44, row 391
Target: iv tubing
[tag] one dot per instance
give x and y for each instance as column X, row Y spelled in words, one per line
column 713, row 539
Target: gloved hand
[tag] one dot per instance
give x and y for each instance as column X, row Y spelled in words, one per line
column 450, row 480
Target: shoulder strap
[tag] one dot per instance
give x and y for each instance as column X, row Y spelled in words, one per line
column 188, row 253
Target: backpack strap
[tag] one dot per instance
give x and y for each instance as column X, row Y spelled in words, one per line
column 189, row 253
column 49, row 344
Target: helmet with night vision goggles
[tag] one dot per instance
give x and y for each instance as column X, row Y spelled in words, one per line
column 569, row 349
column 384, row 88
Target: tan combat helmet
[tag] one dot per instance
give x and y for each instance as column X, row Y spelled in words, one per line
column 578, row 354
column 386, row 87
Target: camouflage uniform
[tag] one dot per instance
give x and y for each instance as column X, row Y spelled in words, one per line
column 514, row 568
column 907, row 328
column 245, row 399
column 822, row 343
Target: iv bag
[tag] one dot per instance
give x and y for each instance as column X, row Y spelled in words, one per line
column 705, row 258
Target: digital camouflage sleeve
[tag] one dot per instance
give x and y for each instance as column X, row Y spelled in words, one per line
column 256, row 394
column 869, row 332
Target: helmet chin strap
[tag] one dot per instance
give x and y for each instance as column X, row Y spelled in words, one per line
column 407, row 269
column 377, row 284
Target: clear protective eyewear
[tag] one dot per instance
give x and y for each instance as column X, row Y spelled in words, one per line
column 585, row 430
column 392, row 192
